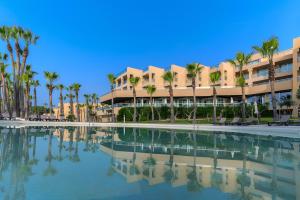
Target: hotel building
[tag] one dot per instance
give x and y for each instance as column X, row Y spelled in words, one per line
column 256, row 73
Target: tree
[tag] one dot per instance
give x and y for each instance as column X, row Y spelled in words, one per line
column 76, row 87
column 169, row 78
column 71, row 96
column 112, row 81
column 241, row 59
column 35, row 84
column 87, row 106
column 51, row 77
column 27, row 78
column 214, row 78
column 61, row 87
column 268, row 49
column 3, row 66
column 150, row 90
column 192, row 72
column 134, row 82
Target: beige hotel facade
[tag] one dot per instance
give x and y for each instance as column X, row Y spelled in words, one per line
column 256, row 73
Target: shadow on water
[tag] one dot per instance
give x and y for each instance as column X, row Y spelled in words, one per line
column 243, row 166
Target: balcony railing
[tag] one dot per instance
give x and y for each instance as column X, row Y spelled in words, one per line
column 176, row 104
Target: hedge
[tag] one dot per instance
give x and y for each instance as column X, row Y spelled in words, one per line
column 163, row 113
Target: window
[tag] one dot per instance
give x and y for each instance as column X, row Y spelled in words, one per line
column 262, row 72
column 225, row 75
column 246, row 76
column 284, row 68
column 298, row 56
column 254, row 62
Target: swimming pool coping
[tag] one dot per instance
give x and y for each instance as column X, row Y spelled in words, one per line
column 264, row 130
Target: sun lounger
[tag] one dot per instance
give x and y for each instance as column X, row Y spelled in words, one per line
column 235, row 121
column 250, row 121
column 222, row 121
column 284, row 120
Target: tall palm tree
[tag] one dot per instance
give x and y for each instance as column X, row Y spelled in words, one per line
column 71, row 96
column 169, row 78
column 94, row 99
column 268, row 49
column 76, row 87
column 150, row 90
column 3, row 66
column 192, row 72
column 112, row 81
column 29, row 39
column 241, row 59
column 51, row 77
column 27, row 79
column 16, row 34
column 214, row 78
column 134, row 82
column 9, row 94
column 35, row 84
column 6, row 34
column 87, row 105
column 61, row 88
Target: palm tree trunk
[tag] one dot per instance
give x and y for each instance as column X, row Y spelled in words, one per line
column 244, row 104
column 61, row 99
column 27, row 102
column 214, row 105
column 194, row 102
column 35, row 100
column 112, row 105
column 77, row 107
column 134, row 105
column 272, row 86
column 152, row 110
column 172, row 104
column 50, row 102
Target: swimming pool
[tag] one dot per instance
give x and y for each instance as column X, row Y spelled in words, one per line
column 131, row 163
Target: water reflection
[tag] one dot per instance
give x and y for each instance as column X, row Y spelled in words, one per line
column 246, row 167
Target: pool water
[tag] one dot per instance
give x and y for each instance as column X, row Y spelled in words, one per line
column 128, row 163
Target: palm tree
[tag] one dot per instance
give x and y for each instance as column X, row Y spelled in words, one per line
column 76, row 87
column 61, row 100
column 214, row 78
column 51, row 77
column 71, row 96
column 3, row 66
column 240, row 61
column 112, row 81
column 35, row 84
column 94, row 99
column 6, row 34
column 150, row 90
column 169, row 78
column 192, row 72
column 134, row 82
column 27, row 79
column 16, row 34
column 9, row 94
column 29, row 39
column 87, row 105
column 268, row 49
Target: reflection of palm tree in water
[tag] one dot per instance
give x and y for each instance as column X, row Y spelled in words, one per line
column 150, row 162
column 216, row 178
column 112, row 160
column 71, row 137
column 61, row 145
column 274, row 171
column 243, row 179
column 169, row 174
column 134, row 169
column 50, row 170
column 193, row 184
column 76, row 157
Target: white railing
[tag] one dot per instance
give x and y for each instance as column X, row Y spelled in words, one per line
column 176, row 104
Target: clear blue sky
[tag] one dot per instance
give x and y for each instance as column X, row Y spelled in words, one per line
column 83, row 41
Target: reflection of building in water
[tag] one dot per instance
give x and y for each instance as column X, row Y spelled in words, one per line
column 256, row 171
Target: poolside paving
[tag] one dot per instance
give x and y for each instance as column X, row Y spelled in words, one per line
column 275, row 131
